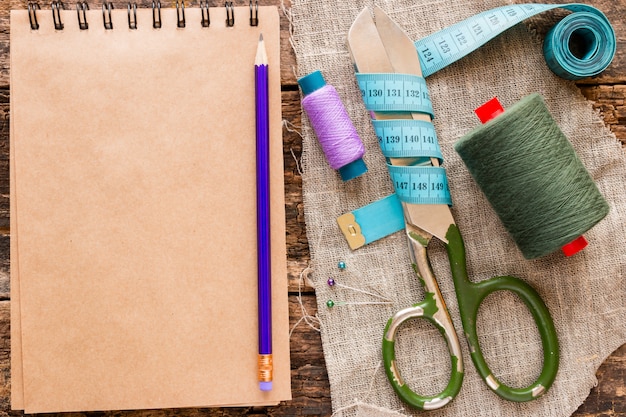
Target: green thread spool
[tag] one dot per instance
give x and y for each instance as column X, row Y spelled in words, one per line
column 532, row 177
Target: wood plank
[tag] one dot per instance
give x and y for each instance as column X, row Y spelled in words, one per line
column 311, row 390
column 609, row 397
column 297, row 244
column 610, row 101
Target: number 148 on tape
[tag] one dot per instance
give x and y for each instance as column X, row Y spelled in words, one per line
column 420, row 185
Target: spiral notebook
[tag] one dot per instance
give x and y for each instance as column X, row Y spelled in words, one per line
column 133, row 209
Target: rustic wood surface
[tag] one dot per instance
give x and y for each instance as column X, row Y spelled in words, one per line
column 311, row 392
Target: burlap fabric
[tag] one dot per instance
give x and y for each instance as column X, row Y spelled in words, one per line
column 586, row 294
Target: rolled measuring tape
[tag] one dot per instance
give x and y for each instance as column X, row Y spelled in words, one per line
column 580, row 45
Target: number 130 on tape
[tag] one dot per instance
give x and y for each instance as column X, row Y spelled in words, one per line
column 394, row 92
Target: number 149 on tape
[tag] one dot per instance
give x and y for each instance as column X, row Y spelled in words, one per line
column 420, row 185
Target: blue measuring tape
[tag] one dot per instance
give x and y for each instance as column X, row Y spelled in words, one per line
column 395, row 92
column 580, row 45
column 586, row 28
column 407, row 138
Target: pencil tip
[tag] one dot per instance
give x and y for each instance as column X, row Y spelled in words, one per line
column 261, row 54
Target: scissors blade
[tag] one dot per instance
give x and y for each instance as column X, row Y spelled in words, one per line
column 399, row 47
column 371, row 48
column 369, row 55
column 365, row 45
column 401, row 53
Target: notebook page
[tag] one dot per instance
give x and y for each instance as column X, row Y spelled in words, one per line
column 134, row 195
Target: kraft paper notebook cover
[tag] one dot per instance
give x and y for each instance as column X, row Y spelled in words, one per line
column 133, row 212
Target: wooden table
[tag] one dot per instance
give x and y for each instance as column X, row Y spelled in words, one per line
column 311, row 391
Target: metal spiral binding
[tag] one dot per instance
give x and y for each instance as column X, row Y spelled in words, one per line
column 82, row 7
column 204, row 8
column 180, row 14
column 82, row 21
column 156, row 14
column 56, row 7
column 32, row 15
column 230, row 14
column 108, row 23
column 132, row 23
column 254, row 13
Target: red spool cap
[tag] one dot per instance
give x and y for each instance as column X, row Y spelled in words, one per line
column 574, row 246
column 489, row 110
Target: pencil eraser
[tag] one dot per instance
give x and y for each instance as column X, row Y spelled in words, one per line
column 265, row 386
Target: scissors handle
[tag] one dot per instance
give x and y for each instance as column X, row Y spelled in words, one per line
column 470, row 295
column 434, row 310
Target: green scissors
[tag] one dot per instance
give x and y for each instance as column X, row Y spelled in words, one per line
column 383, row 47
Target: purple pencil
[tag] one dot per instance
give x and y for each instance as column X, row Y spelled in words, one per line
column 263, row 218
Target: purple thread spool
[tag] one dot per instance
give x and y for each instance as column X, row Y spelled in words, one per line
column 335, row 132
